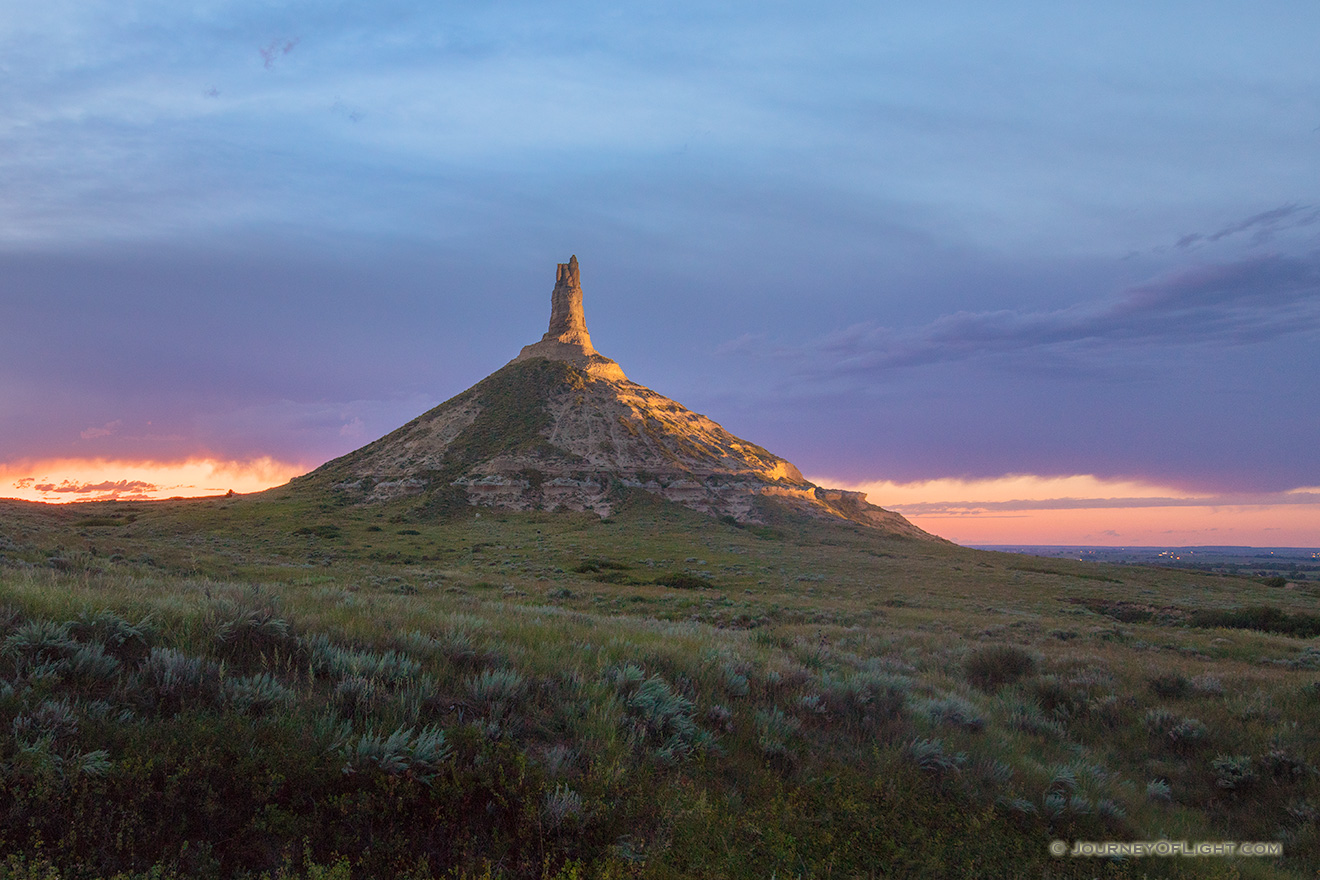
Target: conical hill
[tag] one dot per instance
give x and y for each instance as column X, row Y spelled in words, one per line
column 562, row 427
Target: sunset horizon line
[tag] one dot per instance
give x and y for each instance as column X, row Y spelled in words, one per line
column 1010, row 509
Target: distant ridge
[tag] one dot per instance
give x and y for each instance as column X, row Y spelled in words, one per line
column 561, row 427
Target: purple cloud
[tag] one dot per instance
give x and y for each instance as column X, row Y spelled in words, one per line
column 1266, row 224
column 106, row 430
column 272, row 52
column 1248, row 301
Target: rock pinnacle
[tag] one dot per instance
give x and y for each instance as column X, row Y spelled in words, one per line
column 567, row 323
column 568, row 338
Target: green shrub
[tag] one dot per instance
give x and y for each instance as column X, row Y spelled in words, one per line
column 1264, row 618
column 996, row 665
column 561, row 808
column 864, row 698
column 1176, row 731
column 680, row 581
column 54, row 719
column 660, row 717
column 403, row 751
column 246, row 633
column 1233, row 772
column 257, row 695
column 1171, row 686
column 127, row 642
column 90, row 665
column 38, row 641
column 355, row 696
column 953, row 711
column 1159, row 790
column 389, row 667
column 174, row 681
column 930, row 756
column 1029, row 718
column 775, row 731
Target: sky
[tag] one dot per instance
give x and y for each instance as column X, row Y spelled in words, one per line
column 1025, row 272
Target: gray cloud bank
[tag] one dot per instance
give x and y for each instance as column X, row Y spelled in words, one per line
column 1249, row 301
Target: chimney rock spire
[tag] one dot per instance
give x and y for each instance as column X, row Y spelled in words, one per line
column 567, row 323
column 568, row 339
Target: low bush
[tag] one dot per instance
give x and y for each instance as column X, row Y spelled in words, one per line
column 257, row 695
column 1176, row 731
column 659, row 717
column 863, row 699
column 930, row 756
column 1233, row 772
column 1171, row 686
column 173, row 681
column 775, row 732
column 953, row 711
column 1264, row 618
column 994, row 666
column 681, row 581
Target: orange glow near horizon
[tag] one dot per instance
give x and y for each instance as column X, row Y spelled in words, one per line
column 1015, row 509
column 1085, row 510
column 59, row 481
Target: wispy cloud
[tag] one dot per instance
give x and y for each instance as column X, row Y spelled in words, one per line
column 1247, row 301
column 105, row 486
column 276, row 49
column 1262, row 226
column 106, row 430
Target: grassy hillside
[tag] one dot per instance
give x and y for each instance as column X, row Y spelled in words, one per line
column 288, row 686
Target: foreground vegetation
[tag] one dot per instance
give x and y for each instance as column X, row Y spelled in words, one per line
column 289, row 686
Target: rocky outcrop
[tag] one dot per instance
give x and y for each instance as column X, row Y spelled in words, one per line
column 560, row 427
column 568, row 339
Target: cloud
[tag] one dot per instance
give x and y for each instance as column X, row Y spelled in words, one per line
column 66, row 480
column 274, row 51
column 67, row 487
column 1243, row 302
column 1265, row 225
column 105, row 430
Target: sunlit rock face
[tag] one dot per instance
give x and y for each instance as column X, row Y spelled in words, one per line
column 568, row 339
column 560, row 427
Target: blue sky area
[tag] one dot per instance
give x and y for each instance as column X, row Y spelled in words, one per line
column 887, row 241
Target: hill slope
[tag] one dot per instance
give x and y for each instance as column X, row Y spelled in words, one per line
column 563, row 428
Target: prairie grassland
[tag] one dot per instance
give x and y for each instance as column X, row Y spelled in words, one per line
column 285, row 686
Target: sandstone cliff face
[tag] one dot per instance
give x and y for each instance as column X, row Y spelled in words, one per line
column 562, row 427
